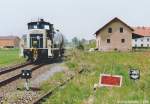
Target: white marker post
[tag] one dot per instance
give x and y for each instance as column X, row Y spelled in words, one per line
column 26, row 74
column 27, row 85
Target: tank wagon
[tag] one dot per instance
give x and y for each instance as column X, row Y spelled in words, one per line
column 42, row 41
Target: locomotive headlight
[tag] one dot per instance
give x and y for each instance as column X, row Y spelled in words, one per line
column 38, row 37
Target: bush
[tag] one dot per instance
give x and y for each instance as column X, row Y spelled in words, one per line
column 80, row 47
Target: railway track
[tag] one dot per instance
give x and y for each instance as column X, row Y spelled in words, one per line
column 12, row 68
column 14, row 78
column 51, row 92
column 10, row 75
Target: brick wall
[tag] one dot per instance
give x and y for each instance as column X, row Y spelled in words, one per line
column 115, row 38
column 9, row 43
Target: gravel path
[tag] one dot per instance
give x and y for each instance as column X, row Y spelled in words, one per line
column 44, row 73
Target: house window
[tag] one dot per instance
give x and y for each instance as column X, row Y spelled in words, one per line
column 141, row 45
column 141, row 40
column 135, row 45
column 122, row 40
column 147, row 45
column 108, row 40
column 121, row 29
column 110, row 30
column 148, row 39
column 135, row 40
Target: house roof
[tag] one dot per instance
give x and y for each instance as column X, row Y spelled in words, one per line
column 143, row 31
column 114, row 19
column 8, row 37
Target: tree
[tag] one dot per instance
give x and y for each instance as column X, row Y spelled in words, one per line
column 83, row 41
column 92, row 43
column 75, row 41
column 80, row 46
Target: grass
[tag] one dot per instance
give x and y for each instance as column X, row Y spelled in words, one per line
column 53, row 81
column 9, row 57
column 80, row 89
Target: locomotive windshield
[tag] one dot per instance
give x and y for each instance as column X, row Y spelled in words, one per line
column 36, row 40
column 39, row 25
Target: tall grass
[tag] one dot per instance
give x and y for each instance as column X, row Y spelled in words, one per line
column 80, row 90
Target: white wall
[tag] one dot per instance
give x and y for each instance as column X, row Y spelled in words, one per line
column 139, row 41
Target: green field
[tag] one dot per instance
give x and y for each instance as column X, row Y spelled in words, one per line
column 80, row 89
column 9, row 57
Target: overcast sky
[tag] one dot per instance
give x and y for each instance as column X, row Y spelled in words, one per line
column 79, row 18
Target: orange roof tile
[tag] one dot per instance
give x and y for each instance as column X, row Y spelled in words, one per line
column 143, row 31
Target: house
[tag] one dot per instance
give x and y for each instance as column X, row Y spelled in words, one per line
column 9, row 41
column 143, row 41
column 115, row 35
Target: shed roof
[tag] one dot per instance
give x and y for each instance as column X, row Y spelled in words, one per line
column 8, row 37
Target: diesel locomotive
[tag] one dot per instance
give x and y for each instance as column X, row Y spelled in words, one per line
column 42, row 41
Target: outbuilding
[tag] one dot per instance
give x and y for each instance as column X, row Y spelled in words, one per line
column 144, row 40
column 9, row 41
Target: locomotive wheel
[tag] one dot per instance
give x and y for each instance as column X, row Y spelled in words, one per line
column 56, row 54
column 61, row 52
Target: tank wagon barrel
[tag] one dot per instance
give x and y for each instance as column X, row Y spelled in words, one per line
column 42, row 41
